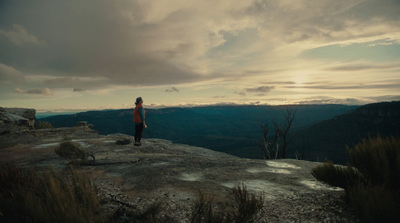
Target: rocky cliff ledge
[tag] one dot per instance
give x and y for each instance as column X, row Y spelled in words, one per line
column 173, row 173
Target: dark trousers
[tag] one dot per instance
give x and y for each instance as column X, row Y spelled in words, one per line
column 138, row 132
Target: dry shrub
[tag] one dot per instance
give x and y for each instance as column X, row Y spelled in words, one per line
column 247, row 205
column 205, row 210
column 47, row 197
column 375, row 203
column 373, row 189
column 245, row 208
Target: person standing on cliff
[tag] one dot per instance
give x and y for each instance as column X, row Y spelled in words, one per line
column 139, row 120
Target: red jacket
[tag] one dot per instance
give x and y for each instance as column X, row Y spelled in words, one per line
column 137, row 116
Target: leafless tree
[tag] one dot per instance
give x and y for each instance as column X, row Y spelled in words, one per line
column 275, row 146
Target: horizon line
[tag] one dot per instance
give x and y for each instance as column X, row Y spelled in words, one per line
column 74, row 111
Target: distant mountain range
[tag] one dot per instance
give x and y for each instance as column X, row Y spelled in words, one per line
column 328, row 139
column 321, row 130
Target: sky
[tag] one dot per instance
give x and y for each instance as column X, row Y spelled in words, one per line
column 101, row 54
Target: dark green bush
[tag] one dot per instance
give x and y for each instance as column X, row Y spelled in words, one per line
column 71, row 150
column 378, row 159
column 47, row 197
column 372, row 183
column 44, row 125
column 337, row 176
column 375, row 203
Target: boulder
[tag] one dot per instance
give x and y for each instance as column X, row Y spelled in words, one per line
column 16, row 119
column 23, row 112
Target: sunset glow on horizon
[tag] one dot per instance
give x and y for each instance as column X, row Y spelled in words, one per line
column 99, row 54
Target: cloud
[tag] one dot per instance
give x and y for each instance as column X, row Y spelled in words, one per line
column 241, row 93
column 78, row 89
column 348, row 101
column 60, row 80
column 172, row 89
column 10, row 75
column 393, row 84
column 19, row 91
column 262, row 89
column 365, row 66
column 85, row 83
column 154, row 43
column 43, row 91
column 381, row 44
column 218, row 96
column 386, row 98
column 331, row 100
column 255, row 103
column 278, row 82
column 20, row 36
column 258, row 91
column 137, row 44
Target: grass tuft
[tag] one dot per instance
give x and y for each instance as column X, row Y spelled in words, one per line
column 247, row 205
column 378, row 159
column 204, row 210
column 47, row 197
column 244, row 208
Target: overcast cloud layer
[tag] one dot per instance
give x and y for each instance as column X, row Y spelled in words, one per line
column 255, row 49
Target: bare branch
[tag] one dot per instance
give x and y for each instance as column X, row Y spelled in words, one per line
column 275, row 146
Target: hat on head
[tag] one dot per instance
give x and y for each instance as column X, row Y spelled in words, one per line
column 138, row 100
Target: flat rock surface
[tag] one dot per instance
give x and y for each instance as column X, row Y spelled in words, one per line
column 161, row 171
